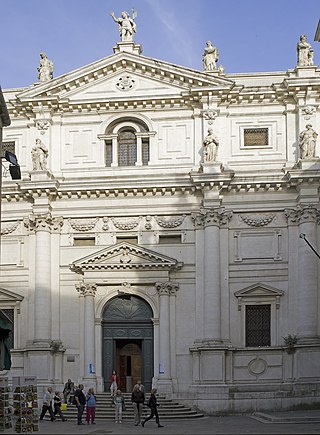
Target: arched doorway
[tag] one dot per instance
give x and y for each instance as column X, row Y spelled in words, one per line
column 127, row 334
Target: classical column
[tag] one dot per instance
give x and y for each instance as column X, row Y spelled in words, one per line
column 213, row 218
column 164, row 290
column 306, row 218
column 139, row 150
column 88, row 291
column 43, row 225
column 114, row 150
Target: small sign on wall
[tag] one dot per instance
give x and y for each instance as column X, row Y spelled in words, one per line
column 161, row 368
column 91, row 369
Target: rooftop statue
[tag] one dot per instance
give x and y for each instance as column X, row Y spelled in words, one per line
column 305, row 52
column 45, row 69
column 210, row 57
column 127, row 26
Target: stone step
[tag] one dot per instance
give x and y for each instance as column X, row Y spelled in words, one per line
column 168, row 409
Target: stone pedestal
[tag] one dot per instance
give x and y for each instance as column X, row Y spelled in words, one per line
column 41, row 175
column 212, row 168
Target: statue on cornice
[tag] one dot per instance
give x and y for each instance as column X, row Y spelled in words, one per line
column 45, row 69
column 210, row 147
column 210, row 57
column 307, row 142
column 39, row 155
column 127, row 26
column 305, row 52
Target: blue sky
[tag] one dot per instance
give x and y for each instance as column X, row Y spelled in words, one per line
column 251, row 35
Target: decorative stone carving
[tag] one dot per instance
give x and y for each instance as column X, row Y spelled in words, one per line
column 207, row 216
column 9, row 227
column 125, row 257
column 45, row 69
column 125, row 83
column 125, row 223
column 304, row 52
column 43, row 222
column 257, row 221
column 105, row 225
column 83, row 225
column 167, row 288
column 148, row 224
column 170, row 222
column 198, row 220
column 307, row 142
column 210, row 116
column 127, row 26
column 86, row 289
column 42, row 125
column 308, row 111
column 257, row 366
column 300, row 214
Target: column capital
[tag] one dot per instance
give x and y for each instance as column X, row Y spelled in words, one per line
column 43, row 222
column 303, row 213
column 86, row 289
column 167, row 288
column 218, row 217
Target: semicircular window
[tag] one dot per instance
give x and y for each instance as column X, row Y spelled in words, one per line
column 129, row 308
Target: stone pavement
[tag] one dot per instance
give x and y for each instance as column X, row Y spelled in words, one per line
column 290, row 422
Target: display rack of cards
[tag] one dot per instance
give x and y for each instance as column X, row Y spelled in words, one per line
column 5, row 408
column 25, row 404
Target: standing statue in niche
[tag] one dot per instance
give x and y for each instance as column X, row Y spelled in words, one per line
column 305, row 52
column 210, row 147
column 307, row 142
column 127, row 26
column 210, row 57
column 45, row 69
column 39, row 155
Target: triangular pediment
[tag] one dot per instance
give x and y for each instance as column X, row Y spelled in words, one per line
column 99, row 80
column 8, row 296
column 125, row 256
column 258, row 290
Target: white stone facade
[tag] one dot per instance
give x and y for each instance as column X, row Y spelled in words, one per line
column 196, row 242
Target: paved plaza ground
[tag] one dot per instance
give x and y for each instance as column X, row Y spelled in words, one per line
column 297, row 422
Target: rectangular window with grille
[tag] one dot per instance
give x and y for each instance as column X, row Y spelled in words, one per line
column 108, row 153
column 256, row 137
column 8, row 314
column 145, row 151
column 8, row 146
column 258, row 325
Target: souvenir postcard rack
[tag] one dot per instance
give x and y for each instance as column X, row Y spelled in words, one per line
column 25, row 404
column 5, row 408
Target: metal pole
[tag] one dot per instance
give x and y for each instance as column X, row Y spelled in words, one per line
column 303, row 236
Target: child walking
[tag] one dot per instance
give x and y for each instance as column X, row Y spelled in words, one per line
column 118, row 401
column 91, row 406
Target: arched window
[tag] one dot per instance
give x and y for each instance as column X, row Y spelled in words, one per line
column 127, row 143
column 127, row 147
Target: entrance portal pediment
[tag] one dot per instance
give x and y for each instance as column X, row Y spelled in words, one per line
column 125, row 256
column 9, row 297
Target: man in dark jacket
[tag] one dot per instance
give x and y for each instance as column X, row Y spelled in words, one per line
column 153, row 404
column 80, row 400
column 137, row 399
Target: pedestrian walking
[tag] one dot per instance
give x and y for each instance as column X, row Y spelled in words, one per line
column 137, row 399
column 118, row 401
column 47, row 404
column 91, row 406
column 57, row 402
column 153, row 405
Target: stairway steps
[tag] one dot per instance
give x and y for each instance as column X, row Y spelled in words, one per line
column 168, row 409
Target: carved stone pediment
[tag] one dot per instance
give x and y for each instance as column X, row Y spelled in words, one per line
column 257, row 290
column 125, row 256
column 9, row 297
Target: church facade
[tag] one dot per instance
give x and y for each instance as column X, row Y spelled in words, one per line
column 163, row 227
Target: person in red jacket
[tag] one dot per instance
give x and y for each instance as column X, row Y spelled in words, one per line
column 114, row 382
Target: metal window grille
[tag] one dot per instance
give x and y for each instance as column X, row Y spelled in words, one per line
column 8, row 146
column 258, row 325
column 145, row 151
column 127, row 148
column 256, row 137
column 108, row 153
column 9, row 315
